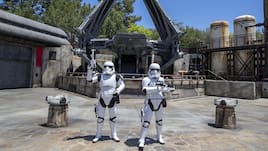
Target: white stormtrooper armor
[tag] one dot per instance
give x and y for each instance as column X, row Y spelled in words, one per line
column 111, row 85
column 153, row 86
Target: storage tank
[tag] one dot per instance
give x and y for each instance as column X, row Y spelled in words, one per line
column 244, row 35
column 219, row 37
column 219, row 34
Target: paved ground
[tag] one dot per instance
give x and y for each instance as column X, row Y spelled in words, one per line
column 186, row 125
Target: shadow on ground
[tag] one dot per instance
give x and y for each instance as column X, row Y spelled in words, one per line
column 89, row 138
column 133, row 142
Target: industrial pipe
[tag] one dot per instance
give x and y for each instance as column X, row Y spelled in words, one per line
column 31, row 35
column 30, row 24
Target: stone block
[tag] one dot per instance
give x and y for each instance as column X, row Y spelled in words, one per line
column 57, row 115
column 225, row 117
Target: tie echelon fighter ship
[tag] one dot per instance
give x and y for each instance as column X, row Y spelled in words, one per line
column 167, row 48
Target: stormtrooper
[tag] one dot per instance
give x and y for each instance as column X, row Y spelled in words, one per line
column 111, row 85
column 153, row 86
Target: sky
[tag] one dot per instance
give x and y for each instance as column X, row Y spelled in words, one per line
column 200, row 13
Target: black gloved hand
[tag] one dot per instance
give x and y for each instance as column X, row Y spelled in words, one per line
column 116, row 98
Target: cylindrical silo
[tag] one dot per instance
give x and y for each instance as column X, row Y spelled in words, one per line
column 244, row 30
column 244, row 34
column 219, row 37
column 219, row 34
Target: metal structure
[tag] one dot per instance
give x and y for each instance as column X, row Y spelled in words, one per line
column 256, row 57
column 254, row 65
column 265, row 7
column 167, row 48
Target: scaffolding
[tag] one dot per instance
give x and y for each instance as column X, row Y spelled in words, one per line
column 249, row 68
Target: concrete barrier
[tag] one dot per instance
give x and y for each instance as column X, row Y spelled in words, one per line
column 265, row 89
column 233, row 89
column 78, row 84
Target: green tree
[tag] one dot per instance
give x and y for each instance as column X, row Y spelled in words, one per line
column 25, row 8
column 119, row 19
column 150, row 33
column 67, row 15
column 193, row 38
column 155, row 34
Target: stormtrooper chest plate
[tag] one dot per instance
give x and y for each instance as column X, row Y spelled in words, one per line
column 152, row 83
column 156, row 96
column 108, row 83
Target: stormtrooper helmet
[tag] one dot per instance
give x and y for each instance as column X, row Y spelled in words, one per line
column 108, row 68
column 154, row 71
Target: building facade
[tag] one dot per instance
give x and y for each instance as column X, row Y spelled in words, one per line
column 32, row 54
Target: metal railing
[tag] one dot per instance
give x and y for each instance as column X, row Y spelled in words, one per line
column 134, row 76
column 236, row 40
column 216, row 75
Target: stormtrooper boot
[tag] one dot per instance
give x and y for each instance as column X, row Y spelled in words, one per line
column 113, row 131
column 142, row 138
column 158, row 133
column 98, row 133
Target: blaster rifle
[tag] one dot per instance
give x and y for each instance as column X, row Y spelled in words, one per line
column 165, row 87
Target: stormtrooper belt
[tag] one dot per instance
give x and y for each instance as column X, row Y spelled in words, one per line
column 163, row 102
column 111, row 104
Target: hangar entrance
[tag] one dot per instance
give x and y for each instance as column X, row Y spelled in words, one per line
column 128, row 64
column 15, row 65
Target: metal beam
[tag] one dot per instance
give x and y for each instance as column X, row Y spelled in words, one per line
column 168, row 32
column 236, row 48
column 165, row 27
column 92, row 24
column 265, row 10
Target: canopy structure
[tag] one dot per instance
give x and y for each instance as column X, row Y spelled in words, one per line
column 168, row 32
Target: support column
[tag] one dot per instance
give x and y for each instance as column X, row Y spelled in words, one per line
column 119, row 62
column 265, row 7
column 137, row 63
column 152, row 61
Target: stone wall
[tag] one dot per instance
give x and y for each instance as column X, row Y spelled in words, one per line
column 77, row 85
column 54, row 67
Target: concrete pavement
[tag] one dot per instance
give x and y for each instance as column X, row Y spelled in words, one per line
column 186, row 125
